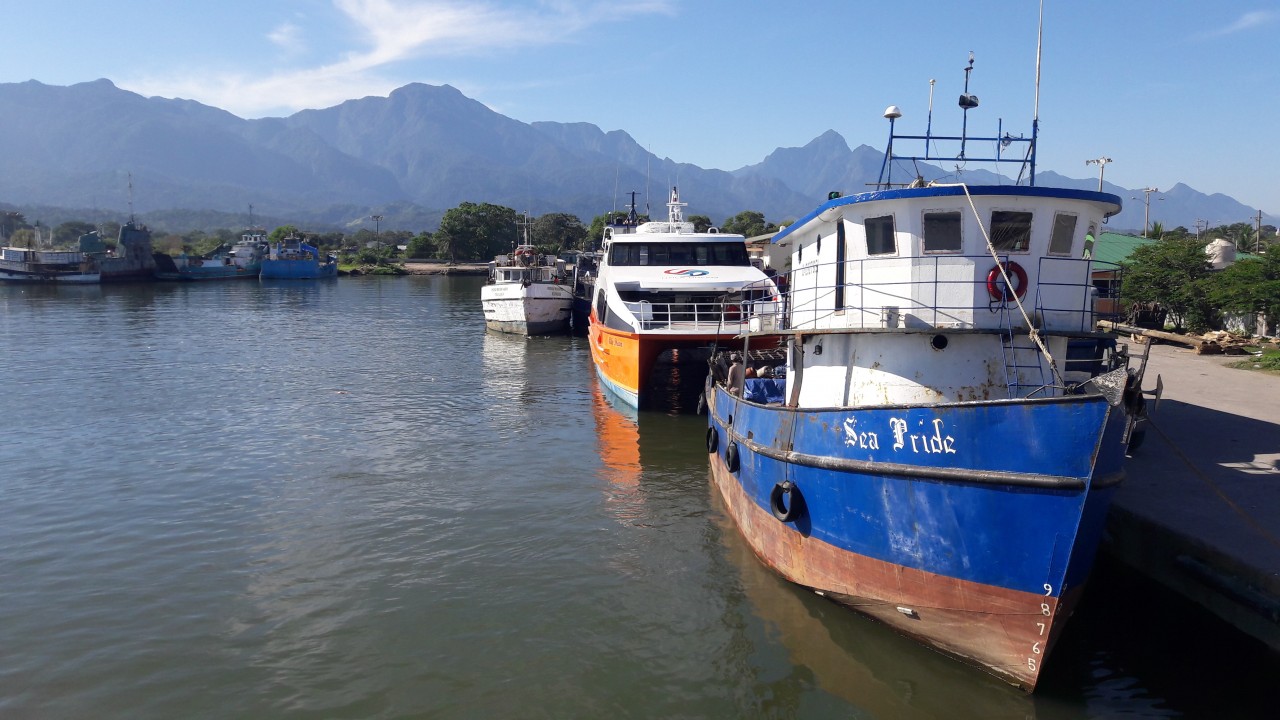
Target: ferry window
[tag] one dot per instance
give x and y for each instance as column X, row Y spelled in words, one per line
column 1064, row 231
column 624, row 254
column 942, row 231
column 880, row 239
column 1010, row 231
column 678, row 253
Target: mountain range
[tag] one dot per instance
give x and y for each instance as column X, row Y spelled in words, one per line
column 409, row 157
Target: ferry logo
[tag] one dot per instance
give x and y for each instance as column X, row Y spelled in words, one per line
column 687, row 272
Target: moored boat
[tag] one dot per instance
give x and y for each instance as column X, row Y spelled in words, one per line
column 296, row 259
column 527, row 293
column 26, row 265
column 663, row 287
column 926, row 453
column 582, row 280
column 132, row 260
column 241, row 262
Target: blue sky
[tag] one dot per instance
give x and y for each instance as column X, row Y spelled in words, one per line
column 1169, row 91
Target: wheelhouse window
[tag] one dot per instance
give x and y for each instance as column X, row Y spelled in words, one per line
column 1064, row 231
column 942, row 232
column 880, row 237
column 1010, row 230
column 678, row 253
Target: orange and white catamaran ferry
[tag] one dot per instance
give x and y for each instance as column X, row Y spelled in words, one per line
column 662, row 286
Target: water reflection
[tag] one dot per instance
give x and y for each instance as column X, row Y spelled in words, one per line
column 504, row 360
column 618, row 439
column 858, row 660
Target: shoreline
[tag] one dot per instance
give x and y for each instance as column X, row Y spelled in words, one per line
column 442, row 268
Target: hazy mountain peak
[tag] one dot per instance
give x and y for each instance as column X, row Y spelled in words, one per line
column 78, row 145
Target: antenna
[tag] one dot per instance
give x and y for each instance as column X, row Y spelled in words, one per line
column 928, row 128
column 1035, row 117
column 968, row 101
column 131, row 219
column 1102, row 168
column 647, row 160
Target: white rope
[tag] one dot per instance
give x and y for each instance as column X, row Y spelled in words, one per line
column 1033, row 332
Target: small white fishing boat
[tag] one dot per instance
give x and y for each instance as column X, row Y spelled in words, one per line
column 527, row 293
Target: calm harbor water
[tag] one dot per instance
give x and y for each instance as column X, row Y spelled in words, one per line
column 345, row 499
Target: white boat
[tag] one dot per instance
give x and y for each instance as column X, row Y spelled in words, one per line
column 48, row 266
column 663, row 287
column 527, row 294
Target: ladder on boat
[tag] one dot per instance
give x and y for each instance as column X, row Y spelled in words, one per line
column 1023, row 362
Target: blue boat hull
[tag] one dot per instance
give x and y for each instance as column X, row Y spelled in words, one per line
column 971, row 527
column 211, row 272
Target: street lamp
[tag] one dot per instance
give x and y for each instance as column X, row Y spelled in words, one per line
column 1102, row 168
column 377, row 225
column 1146, row 206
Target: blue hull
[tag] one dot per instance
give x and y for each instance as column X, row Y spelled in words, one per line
column 214, row 272
column 971, row 526
column 298, row 269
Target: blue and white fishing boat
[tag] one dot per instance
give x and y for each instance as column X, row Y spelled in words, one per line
column 924, row 452
column 293, row 258
column 241, row 262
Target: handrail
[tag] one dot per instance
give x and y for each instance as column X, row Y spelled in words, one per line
column 934, row 291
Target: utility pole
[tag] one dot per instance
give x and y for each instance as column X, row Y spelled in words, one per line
column 1201, row 226
column 377, row 226
column 1257, row 234
column 1102, row 169
column 1146, row 207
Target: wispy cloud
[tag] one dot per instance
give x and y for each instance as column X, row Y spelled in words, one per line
column 387, row 33
column 1248, row 21
column 287, row 37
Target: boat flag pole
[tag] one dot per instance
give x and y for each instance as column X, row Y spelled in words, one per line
column 1035, row 116
column 928, row 128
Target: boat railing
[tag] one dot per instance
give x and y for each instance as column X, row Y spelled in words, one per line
column 940, row 292
column 686, row 317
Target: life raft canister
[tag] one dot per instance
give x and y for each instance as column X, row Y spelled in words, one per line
column 1000, row 291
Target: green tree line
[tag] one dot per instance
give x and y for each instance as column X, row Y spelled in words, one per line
column 1175, row 273
column 470, row 232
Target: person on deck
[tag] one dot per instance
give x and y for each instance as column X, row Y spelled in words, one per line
column 737, row 374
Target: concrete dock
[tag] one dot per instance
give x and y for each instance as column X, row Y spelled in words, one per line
column 1199, row 511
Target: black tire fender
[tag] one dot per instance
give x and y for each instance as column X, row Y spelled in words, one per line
column 786, row 512
column 713, row 439
column 731, row 458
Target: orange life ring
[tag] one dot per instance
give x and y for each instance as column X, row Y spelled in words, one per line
column 1007, row 293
